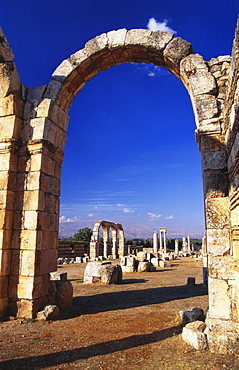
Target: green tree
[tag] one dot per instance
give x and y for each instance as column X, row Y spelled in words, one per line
column 83, row 235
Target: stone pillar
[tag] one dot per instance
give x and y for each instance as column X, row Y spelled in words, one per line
column 114, row 242
column 155, row 242
column 189, row 247
column 163, row 245
column 11, row 119
column 105, row 241
column 121, row 250
column 165, row 242
column 176, row 247
column 160, row 240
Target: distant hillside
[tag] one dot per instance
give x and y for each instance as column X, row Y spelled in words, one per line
column 131, row 230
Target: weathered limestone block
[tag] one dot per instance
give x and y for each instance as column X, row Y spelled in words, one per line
column 174, row 52
column 63, row 71
column 6, row 53
column 50, row 312
column 138, row 37
column 53, row 90
column 217, row 213
column 215, row 183
column 141, row 256
column 214, row 160
column 164, row 263
column 193, row 334
column 128, row 269
column 10, row 127
column 96, row 44
column 29, row 287
column 11, row 105
column 222, row 335
column 158, row 40
column 27, row 262
column 116, row 43
column 64, row 294
column 10, row 80
column 52, row 111
column 143, row 266
column 155, row 261
column 102, row 272
column 116, row 38
column 136, row 43
column 220, row 302
column 195, row 74
column 205, row 107
column 218, row 241
column 191, row 314
column 221, row 267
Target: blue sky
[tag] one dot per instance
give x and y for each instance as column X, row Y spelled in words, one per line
column 131, row 154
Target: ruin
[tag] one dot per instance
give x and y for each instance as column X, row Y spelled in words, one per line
column 118, row 249
column 33, row 125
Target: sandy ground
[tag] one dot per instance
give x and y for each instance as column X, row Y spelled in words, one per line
column 132, row 325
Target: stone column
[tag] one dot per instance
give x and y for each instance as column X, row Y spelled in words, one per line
column 122, row 252
column 155, row 242
column 160, row 240
column 105, row 241
column 189, row 248
column 176, row 247
column 114, row 242
column 165, row 242
column 163, row 231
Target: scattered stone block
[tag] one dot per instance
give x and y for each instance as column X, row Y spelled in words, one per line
column 191, row 314
column 102, row 273
column 64, row 294
column 50, row 312
column 141, row 256
column 163, row 263
column 143, row 266
column 155, row 261
column 78, row 260
column 127, row 268
column 193, row 334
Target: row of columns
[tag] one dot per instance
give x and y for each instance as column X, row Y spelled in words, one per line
column 163, row 241
column 118, row 249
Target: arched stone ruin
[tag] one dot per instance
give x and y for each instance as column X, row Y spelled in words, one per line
column 33, row 125
column 118, row 248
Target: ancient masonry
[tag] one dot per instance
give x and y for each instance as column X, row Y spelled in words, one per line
column 33, row 125
column 117, row 234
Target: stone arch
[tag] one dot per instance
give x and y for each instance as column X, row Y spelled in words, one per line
column 34, row 122
column 117, row 233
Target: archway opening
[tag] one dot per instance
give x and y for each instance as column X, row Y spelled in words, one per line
column 132, row 151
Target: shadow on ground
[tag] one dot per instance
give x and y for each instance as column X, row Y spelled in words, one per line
column 99, row 349
column 134, row 298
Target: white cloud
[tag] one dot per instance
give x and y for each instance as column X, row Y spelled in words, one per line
column 65, row 219
column 127, row 210
column 90, row 214
column 153, row 216
column 154, row 25
column 168, row 217
column 119, row 205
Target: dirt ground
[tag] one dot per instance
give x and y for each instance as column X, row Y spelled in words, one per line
column 132, row 325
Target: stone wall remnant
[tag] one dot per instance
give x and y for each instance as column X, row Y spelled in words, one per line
column 33, row 125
